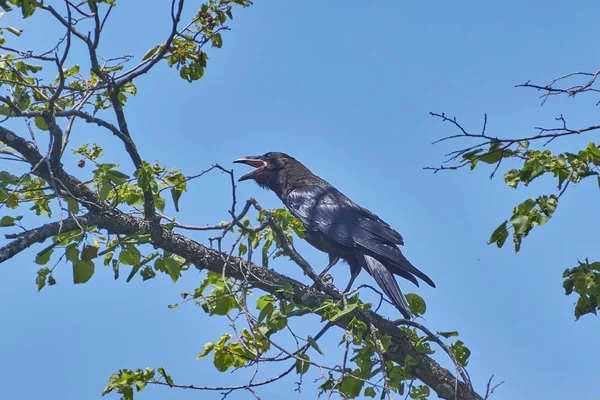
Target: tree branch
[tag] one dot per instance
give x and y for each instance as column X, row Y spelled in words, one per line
column 25, row 239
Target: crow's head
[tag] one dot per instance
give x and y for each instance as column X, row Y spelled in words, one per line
column 273, row 170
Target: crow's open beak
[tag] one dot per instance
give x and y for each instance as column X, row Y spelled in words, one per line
column 253, row 161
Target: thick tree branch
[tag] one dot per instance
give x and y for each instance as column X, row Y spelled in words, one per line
column 428, row 370
column 116, row 222
column 24, row 240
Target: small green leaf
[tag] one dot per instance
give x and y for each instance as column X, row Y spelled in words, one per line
column 314, row 345
column 27, row 8
column 420, row 392
column 14, row 31
column 130, row 255
column 499, row 235
column 89, row 253
column 461, row 352
column 150, row 53
column 416, row 304
column 448, row 334
column 173, row 268
column 370, row 392
column 208, row 347
column 7, row 221
column 520, row 223
column 217, row 40
column 104, row 188
column 302, row 364
column 42, row 274
column 242, row 249
column 343, row 312
column 72, row 253
column 116, row 177
column 266, row 311
column 592, row 149
column 175, row 195
column 167, row 377
column 221, row 302
column 264, row 300
column 223, row 360
column 512, row 178
column 160, row 202
column 72, row 205
column 351, row 386
column 43, row 257
column 82, row 271
column 40, row 123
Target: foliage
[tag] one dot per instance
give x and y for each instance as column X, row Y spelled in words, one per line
column 566, row 168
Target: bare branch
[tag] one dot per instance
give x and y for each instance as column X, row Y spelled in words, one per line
column 490, row 389
column 149, row 64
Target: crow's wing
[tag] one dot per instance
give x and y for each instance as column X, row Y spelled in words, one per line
column 326, row 210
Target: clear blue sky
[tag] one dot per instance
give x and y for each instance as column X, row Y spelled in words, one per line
column 346, row 88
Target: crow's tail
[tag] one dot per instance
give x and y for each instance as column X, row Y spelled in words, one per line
column 386, row 281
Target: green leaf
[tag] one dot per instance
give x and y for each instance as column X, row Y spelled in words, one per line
column 592, row 149
column 520, row 223
column 164, row 374
column 302, row 364
column 221, row 302
column 175, row 195
column 242, row 249
column 89, row 253
column 499, row 235
column 160, row 202
column 370, row 392
column 72, row 205
column 276, row 320
column 461, row 352
column 264, row 300
column 416, row 304
column 68, row 72
column 7, row 221
column 266, row 311
column 217, row 40
column 130, row 255
column 150, row 53
column 43, row 257
column 27, row 7
column 104, row 188
column 223, row 360
column 72, row 253
column 350, row 386
column 448, row 334
column 173, row 268
column 147, row 273
column 14, row 31
column 493, row 156
column 82, row 271
column 344, row 312
column 208, row 347
column 42, row 274
column 118, row 178
column 314, row 345
column 420, row 392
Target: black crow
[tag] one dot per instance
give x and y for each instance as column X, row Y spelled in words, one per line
column 336, row 225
